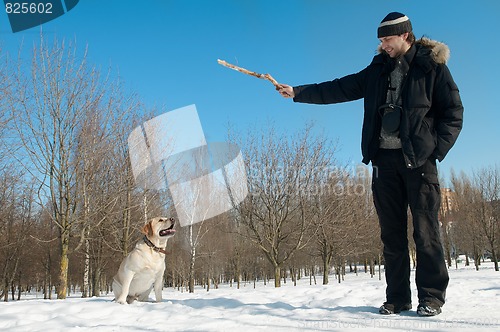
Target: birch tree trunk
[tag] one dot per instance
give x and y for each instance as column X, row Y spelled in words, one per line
column 192, row 259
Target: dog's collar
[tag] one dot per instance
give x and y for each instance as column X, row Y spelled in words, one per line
column 152, row 246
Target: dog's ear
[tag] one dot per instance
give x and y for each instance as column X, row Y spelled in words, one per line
column 147, row 229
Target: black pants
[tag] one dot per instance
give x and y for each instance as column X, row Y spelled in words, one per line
column 396, row 187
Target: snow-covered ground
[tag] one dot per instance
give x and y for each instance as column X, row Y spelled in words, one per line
column 473, row 303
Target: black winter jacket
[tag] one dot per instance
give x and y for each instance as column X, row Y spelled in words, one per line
column 432, row 109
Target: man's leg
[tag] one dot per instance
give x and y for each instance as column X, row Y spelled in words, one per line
column 424, row 199
column 391, row 203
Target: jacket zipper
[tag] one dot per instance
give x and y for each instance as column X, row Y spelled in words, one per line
column 408, row 162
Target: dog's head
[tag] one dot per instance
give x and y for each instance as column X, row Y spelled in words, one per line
column 159, row 227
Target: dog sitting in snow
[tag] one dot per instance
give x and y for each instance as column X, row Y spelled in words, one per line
column 143, row 268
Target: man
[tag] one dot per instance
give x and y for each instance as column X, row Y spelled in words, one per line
column 412, row 117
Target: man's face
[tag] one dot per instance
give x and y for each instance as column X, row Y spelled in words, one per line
column 395, row 46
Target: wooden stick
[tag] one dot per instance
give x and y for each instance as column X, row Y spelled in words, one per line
column 251, row 73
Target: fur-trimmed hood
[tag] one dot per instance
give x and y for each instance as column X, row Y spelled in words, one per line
column 439, row 52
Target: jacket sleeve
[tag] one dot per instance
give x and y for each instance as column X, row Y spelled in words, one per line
column 449, row 112
column 347, row 88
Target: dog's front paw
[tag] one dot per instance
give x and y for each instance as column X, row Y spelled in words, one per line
column 121, row 301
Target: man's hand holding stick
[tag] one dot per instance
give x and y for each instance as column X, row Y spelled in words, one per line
column 285, row 90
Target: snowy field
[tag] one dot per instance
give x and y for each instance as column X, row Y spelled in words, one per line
column 473, row 304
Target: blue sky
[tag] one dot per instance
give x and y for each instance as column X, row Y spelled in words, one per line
column 167, row 52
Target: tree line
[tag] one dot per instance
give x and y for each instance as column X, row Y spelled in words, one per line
column 70, row 209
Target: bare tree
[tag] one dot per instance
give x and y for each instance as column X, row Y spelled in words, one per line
column 9, row 234
column 49, row 106
column 466, row 230
column 196, row 231
column 446, row 218
column 100, row 172
column 281, row 174
column 347, row 224
column 487, row 182
column 329, row 215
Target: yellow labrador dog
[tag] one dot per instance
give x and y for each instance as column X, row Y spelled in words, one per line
column 143, row 268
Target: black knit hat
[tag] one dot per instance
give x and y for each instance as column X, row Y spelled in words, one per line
column 394, row 24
